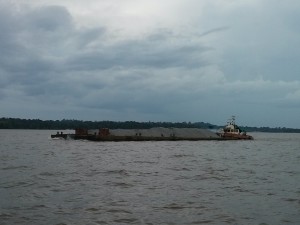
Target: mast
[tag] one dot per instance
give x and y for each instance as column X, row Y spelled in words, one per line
column 233, row 120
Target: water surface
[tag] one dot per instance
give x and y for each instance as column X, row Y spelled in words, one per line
column 44, row 181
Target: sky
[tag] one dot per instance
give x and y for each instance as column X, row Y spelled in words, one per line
column 141, row 60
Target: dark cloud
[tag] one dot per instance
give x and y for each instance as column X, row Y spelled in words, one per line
column 49, row 19
column 35, row 43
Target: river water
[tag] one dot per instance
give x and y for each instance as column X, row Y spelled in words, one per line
column 45, row 181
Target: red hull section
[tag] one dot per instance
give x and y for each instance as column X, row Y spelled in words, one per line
column 236, row 136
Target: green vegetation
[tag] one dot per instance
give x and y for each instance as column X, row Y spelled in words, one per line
column 15, row 123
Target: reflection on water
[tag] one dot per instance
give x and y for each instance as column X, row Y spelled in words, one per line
column 44, row 181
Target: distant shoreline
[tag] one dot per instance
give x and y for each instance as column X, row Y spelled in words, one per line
column 17, row 123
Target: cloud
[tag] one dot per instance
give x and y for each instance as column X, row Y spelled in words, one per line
column 47, row 47
column 140, row 53
column 49, row 19
column 178, row 61
column 219, row 29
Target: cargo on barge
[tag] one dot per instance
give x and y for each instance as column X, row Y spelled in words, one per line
column 152, row 134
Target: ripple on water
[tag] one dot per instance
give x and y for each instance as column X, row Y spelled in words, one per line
column 118, row 172
column 159, row 183
column 119, row 184
column 16, row 168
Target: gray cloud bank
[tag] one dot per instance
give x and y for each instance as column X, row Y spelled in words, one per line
column 51, row 68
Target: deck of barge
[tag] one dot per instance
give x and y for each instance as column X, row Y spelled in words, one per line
column 152, row 134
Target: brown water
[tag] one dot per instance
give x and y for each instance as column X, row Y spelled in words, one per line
column 44, row 181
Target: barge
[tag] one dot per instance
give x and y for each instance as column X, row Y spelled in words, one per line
column 229, row 132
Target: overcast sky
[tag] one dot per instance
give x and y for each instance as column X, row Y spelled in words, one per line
column 170, row 60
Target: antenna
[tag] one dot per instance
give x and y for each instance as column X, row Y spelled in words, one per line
column 232, row 120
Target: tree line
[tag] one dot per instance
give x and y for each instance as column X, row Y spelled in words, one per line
column 17, row 123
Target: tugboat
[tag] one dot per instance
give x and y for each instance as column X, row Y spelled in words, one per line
column 232, row 131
